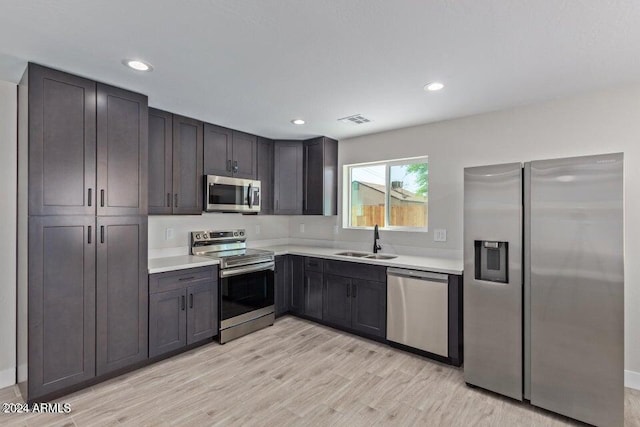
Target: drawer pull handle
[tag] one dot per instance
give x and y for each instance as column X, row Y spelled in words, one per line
column 187, row 278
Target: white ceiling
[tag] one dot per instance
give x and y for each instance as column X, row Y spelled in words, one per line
column 256, row 64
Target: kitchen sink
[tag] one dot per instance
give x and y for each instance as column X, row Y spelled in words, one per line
column 366, row 255
column 381, row 256
column 354, row 254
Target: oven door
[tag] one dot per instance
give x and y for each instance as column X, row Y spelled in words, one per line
column 246, row 293
column 225, row 194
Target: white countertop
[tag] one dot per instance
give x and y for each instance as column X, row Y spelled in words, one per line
column 437, row 265
column 180, row 262
column 434, row 264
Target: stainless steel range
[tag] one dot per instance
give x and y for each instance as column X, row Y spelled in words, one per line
column 246, row 281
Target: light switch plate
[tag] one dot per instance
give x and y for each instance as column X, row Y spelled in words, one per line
column 169, row 234
column 258, row 230
column 336, row 229
column 440, row 235
column 302, row 228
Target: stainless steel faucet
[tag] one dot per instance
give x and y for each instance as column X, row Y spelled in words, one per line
column 376, row 240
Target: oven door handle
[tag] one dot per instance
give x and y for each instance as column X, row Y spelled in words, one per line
column 263, row 266
column 249, row 194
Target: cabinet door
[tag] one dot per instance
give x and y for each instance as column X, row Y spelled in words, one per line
column 202, row 311
column 122, row 292
column 336, row 304
column 313, row 182
column 320, row 183
column 122, row 151
column 288, row 177
column 369, row 307
column 167, row 322
column 187, row 166
column 313, row 294
column 62, row 143
column 218, row 150
column 244, row 155
column 61, row 302
column 265, row 175
column 282, row 285
column 160, row 162
column 297, row 284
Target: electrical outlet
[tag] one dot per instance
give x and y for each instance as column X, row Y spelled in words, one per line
column 302, row 228
column 258, row 230
column 440, row 235
column 336, row 229
column 169, row 234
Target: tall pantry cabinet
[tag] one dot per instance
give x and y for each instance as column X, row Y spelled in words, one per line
column 82, row 231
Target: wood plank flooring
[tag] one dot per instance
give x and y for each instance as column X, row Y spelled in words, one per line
column 294, row 373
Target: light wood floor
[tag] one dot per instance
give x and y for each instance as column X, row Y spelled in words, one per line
column 295, row 373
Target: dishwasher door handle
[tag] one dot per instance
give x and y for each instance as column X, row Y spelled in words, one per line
column 415, row 274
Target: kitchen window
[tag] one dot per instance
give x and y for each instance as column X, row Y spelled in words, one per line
column 393, row 194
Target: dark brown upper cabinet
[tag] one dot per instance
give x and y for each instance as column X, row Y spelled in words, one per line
column 160, row 162
column 264, row 174
column 62, row 142
column 122, row 296
column 229, row 153
column 187, row 165
column 320, row 177
column 287, row 177
column 87, row 146
column 245, row 155
column 217, row 150
column 122, row 150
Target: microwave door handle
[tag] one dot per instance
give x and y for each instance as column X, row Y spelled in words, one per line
column 249, row 196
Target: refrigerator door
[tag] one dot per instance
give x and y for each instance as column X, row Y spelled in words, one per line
column 493, row 296
column 577, row 288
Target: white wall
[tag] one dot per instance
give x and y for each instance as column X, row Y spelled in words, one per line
column 601, row 122
column 8, row 183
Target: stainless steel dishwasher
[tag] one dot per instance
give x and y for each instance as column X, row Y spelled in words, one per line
column 417, row 310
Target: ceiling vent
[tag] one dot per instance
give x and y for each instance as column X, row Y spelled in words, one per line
column 356, row 119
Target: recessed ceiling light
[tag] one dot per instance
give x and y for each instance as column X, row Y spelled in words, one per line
column 298, row 121
column 433, row 86
column 137, row 65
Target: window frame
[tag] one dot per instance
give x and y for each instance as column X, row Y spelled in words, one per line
column 347, row 187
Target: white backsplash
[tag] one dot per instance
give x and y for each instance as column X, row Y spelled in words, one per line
column 274, row 230
column 262, row 230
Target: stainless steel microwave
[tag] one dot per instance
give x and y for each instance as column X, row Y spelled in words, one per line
column 226, row 194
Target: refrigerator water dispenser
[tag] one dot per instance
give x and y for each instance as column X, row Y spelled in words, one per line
column 492, row 261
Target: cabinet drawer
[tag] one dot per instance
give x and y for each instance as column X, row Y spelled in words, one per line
column 180, row 279
column 313, row 264
column 356, row 270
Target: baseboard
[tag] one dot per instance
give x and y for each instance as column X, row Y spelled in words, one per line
column 632, row 379
column 7, row 377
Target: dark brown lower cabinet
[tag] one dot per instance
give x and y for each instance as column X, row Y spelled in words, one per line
column 297, row 284
column 121, row 292
column 282, row 285
column 313, row 294
column 167, row 322
column 337, row 300
column 61, row 313
column 202, row 314
column 355, row 303
column 369, row 307
column 183, row 309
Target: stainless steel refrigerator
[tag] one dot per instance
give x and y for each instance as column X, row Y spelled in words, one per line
column 544, row 284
